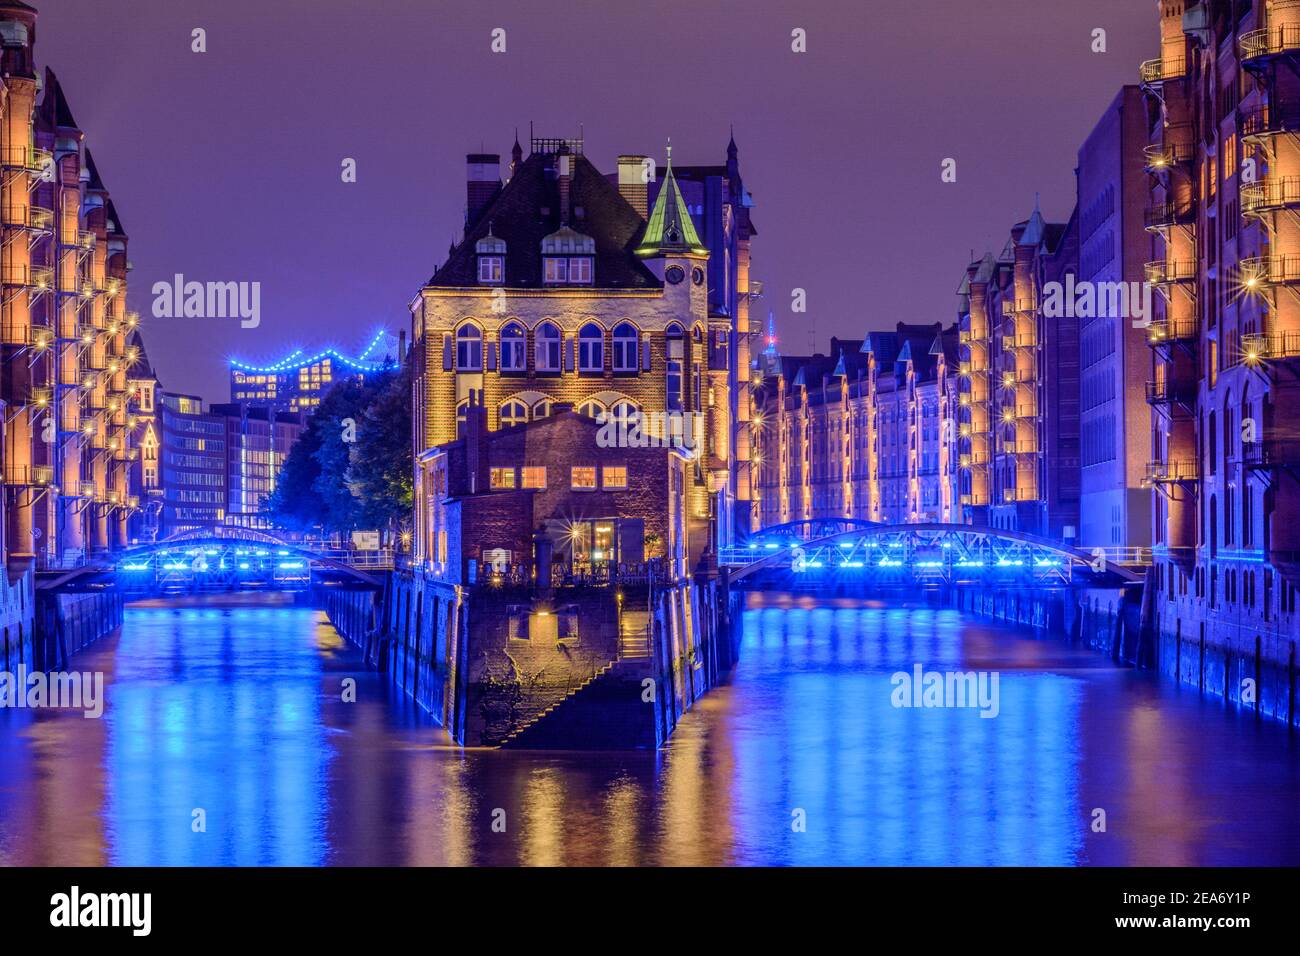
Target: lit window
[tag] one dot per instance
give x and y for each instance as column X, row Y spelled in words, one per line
column 625, row 347
column 557, row 270
column 580, row 270
column 591, row 348
column 534, row 476
column 614, row 477
column 674, row 386
column 469, row 349
column 547, row 358
column 490, row 269
column 514, row 413
column 582, row 478
column 502, row 477
column 512, row 348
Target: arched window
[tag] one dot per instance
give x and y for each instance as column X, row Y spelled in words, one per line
column 673, row 370
column 626, row 347
column 591, row 348
column 624, row 412
column 469, row 349
column 592, row 408
column 514, row 413
column 462, row 413
column 542, row 409
column 512, row 348
column 547, row 358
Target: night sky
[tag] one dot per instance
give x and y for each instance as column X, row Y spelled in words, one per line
column 225, row 166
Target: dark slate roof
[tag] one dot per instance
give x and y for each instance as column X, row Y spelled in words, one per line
column 55, row 103
column 516, row 215
column 140, row 368
column 95, row 182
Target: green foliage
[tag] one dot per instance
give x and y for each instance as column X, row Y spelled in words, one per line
column 351, row 469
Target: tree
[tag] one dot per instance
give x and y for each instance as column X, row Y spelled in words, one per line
column 381, row 474
column 314, row 489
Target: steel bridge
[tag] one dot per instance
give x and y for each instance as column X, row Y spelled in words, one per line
column 223, row 559
column 845, row 551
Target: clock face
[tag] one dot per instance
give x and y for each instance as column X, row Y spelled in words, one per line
column 697, row 275
column 675, row 274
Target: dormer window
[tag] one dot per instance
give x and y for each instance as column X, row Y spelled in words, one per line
column 491, row 253
column 567, row 257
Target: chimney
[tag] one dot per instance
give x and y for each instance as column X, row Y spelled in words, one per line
column 564, row 173
column 483, row 182
column 632, row 184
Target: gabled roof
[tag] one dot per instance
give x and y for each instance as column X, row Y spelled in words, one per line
column 55, row 104
column 140, row 368
column 527, row 209
column 670, row 228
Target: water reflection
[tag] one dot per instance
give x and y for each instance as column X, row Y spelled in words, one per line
column 237, row 710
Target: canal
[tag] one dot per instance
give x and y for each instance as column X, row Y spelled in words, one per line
column 236, row 710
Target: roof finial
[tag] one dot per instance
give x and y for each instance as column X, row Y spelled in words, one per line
column 670, row 152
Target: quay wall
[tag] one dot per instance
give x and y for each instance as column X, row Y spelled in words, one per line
column 596, row 667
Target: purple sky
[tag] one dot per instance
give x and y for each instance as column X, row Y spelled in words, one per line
column 224, row 166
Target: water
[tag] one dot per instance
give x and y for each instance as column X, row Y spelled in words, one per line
column 237, row 710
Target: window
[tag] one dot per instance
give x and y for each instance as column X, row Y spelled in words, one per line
column 557, row 270
column 591, row 409
column 490, row 269
column 624, row 413
column 580, row 270
column 502, row 478
column 582, row 478
column 614, row 477
column 514, row 413
column 591, row 348
column 534, row 476
column 462, row 412
column 547, row 358
column 674, row 386
column 512, row 348
column 469, row 349
column 625, row 348
column 542, row 409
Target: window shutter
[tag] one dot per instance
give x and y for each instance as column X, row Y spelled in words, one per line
column 446, row 351
column 491, row 356
column 645, row 355
column 568, row 353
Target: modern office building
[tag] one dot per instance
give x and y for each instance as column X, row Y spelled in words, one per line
column 257, row 442
column 193, row 465
column 297, row 382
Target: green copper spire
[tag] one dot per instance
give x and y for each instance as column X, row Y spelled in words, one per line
column 670, row 228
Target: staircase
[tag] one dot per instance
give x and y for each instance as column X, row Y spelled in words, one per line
column 634, row 636
column 605, row 712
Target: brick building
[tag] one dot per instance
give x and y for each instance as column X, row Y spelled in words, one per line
column 1223, row 102
column 563, row 291
column 67, row 437
column 860, row 433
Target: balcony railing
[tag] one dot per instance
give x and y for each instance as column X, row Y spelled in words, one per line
column 31, row 476
column 1275, row 192
column 1165, row 392
column 1166, row 214
column 1025, row 340
column 1272, row 41
column 25, row 157
column 1165, row 271
column 1024, row 447
column 967, row 337
column 1272, row 270
column 1166, row 472
column 1263, row 122
column 31, row 217
column 1167, row 331
column 1270, row 345
column 1273, row 453
column 1160, row 70
column 974, row 501
column 1168, row 154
